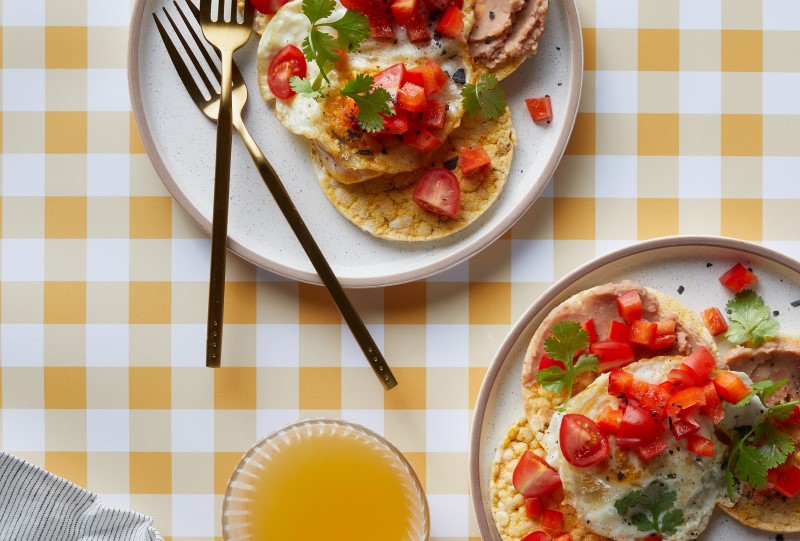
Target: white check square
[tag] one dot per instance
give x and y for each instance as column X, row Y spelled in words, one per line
column 616, row 91
column 188, row 344
column 192, row 431
column 107, row 431
column 23, row 13
column 270, row 420
column 449, row 515
column 190, row 260
column 700, row 177
column 372, row 419
column 23, row 260
column 108, row 175
column 23, row 430
column 700, row 93
column 780, row 94
column 107, row 90
column 23, row 175
column 21, row 344
column 705, row 15
column 603, row 247
column 107, row 260
column 780, row 177
column 447, row 346
column 532, row 260
column 108, row 12
column 617, row 13
column 23, row 89
column 616, row 177
column 107, row 345
column 781, row 15
column 447, row 431
column 193, row 515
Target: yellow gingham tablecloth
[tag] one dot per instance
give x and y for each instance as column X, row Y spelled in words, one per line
column 689, row 123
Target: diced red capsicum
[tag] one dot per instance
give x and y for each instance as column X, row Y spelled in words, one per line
column 379, row 25
column 547, row 362
column 681, row 378
column 638, row 428
column 629, row 306
column 397, row 124
column 618, row 331
column 435, row 115
column 655, row 447
column 533, row 507
column 663, row 341
column 611, row 354
column 537, row 536
column 713, row 408
column 429, row 76
column 390, row 79
column 699, row 364
column 643, row 332
column 552, row 520
column 714, row 321
column 417, row 28
column 452, row 22
column 785, row 479
column 421, row 139
column 411, row 97
column 737, row 277
column 540, row 108
column 403, row 10
column 588, row 326
column 474, row 161
column 684, row 427
column 699, row 445
column 619, row 382
column 610, row 420
column 685, row 402
column 730, row 387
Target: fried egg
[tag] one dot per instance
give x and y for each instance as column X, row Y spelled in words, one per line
column 349, row 154
column 699, row 482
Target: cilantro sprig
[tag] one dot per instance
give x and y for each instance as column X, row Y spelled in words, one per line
column 325, row 48
column 652, row 509
column 763, row 446
column 484, row 96
column 568, row 338
column 749, row 319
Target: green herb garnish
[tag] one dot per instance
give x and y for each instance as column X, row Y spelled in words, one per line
column 370, row 101
column 763, row 446
column 749, row 319
column 568, row 338
column 485, row 97
column 651, row 506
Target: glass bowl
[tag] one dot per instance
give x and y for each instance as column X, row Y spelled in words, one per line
column 239, row 502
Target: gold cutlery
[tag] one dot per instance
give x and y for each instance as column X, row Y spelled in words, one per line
column 210, row 107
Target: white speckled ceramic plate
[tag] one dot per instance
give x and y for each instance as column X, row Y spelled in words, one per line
column 180, row 142
column 664, row 264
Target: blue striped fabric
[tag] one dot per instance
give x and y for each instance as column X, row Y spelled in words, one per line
column 35, row 505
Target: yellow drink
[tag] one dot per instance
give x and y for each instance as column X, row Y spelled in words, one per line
column 333, row 485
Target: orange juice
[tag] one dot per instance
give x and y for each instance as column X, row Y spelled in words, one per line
column 331, row 487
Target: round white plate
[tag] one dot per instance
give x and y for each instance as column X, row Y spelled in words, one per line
column 181, row 141
column 664, row 264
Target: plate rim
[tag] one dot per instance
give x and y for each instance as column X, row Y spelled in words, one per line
column 513, row 335
column 465, row 252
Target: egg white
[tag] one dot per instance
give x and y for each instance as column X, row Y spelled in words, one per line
column 698, row 481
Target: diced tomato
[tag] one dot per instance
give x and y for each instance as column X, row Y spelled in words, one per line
column 434, row 116
column 619, row 382
column 413, row 75
column 685, row 402
column 474, row 161
column 452, row 22
column 618, row 331
column 681, row 378
column 611, row 354
column 533, row 507
column 610, row 420
column 655, row 447
column 669, row 387
column 794, row 418
column 540, row 108
column 652, row 538
column 533, row 477
column 547, row 362
column 665, row 326
column 417, row 28
column 430, row 77
column 411, row 97
column 699, row 445
column 390, row 79
column 638, row 427
column 582, row 443
column 268, row 7
column 663, row 341
column 643, row 332
column 552, row 520
column 714, row 321
column 639, row 388
column 629, row 306
column 684, row 427
column 713, row 408
column 565, row 537
column 403, row 10
column 379, row 25
column 729, row 386
column 537, row 536
column 787, row 479
column 655, row 401
column 438, row 192
column 287, row 63
column 588, row 326
column 699, row 364
column 397, row 124
column 423, row 140
column 442, row 5
column 737, row 277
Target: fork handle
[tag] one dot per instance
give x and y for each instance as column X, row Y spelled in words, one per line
column 219, row 227
column 351, row 317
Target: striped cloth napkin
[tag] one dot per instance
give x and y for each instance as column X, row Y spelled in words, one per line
column 35, row 505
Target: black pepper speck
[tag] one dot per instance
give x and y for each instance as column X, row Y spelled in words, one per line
column 681, row 289
column 491, row 15
column 460, row 77
column 795, row 304
column 451, row 163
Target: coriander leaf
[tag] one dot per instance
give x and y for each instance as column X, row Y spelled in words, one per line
column 781, row 412
column 552, row 379
column 751, row 467
column 371, row 102
column 586, row 363
column 766, row 387
column 627, row 502
column 323, row 48
column 730, row 482
column 304, row 87
column 671, row 521
column 776, row 445
column 318, row 9
column 485, row 97
column 665, row 499
column 749, row 319
column 746, row 400
column 642, row 522
column 352, row 29
column 567, row 339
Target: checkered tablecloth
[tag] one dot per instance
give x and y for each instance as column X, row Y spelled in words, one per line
column 689, row 123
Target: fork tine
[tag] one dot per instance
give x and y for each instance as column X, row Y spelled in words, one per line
column 200, row 41
column 180, row 67
column 195, row 62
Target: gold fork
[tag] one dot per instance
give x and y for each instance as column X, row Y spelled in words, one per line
column 209, row 106
column 226, row 36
